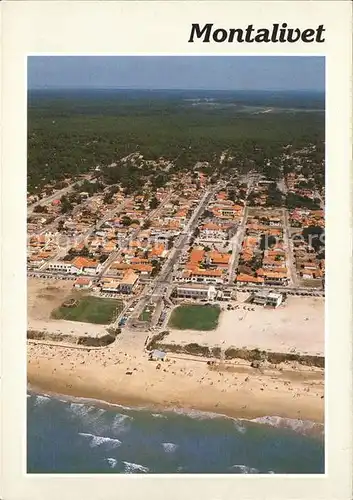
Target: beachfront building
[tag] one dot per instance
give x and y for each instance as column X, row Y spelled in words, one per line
column 278, row 277
column 60, row 266
column 82, row 265
column 125, row 283
column 215, row 276
column 128, row 282
column 193, row 291
column 249, row 280
column 83, row 283
column 266, row 298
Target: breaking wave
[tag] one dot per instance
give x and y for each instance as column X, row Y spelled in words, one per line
column 79, row 409
column 40, row 400
column 300, row 426
column 198, row 415
column 112, row 462
column 243, row 469
column 239, row 427
column 99, row 440
column 132, row 468
column 170, row 447
column 121, row 423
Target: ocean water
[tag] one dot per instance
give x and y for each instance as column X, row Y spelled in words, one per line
column 85, row 437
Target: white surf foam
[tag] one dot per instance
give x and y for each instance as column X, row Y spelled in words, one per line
column 198, row 415
column 170, row 447
column 296, row 425
column 244, row 469
column 79, row 409
column 99, row 440
column 40, row 400
column 112, row 462
column 239, row 427
column 131, row 468
column 121, row 423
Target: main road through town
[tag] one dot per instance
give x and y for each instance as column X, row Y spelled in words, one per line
column 163, row 281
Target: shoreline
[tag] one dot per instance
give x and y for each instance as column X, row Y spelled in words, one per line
column 302, row 427
column 133, row 381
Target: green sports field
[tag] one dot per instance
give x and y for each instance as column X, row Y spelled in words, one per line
column 195, row 317
column 90, row 310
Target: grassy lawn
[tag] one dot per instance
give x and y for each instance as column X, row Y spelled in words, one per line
column 195, row 317
column 146, row 314
column 90, row 310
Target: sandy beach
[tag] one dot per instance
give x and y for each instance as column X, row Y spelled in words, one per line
column 127, row 377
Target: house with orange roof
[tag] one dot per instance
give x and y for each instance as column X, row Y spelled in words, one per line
column 135, row 244
column 274, row 277
column 143, row 269
column 118, row 266
column 129, row 281
column 219, row 259
column 197, row 254
column 247, row 255
column 124, row 282
column 139, row 260
column 207, row 275
column 83, row 283
column 82, row 265
column 109, row 247
column 311, row 273
column 181, row 214
column 158, row 251
column 248, row 279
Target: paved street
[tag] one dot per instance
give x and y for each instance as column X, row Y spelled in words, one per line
column 236, row 246
column 163, row 281
column 293, row 279
column 52, row 197
column 166, row 272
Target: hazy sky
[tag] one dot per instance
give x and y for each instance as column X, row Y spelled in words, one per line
column 178, row 72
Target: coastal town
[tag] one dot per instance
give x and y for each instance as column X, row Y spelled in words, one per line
column 194, row 242
column 175, row 265
column 201, row 272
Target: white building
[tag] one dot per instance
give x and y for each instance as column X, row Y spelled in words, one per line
column 267, row 298
column 196, row 292
column 60, row 266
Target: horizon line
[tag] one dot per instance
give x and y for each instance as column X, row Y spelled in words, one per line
column 175, row 89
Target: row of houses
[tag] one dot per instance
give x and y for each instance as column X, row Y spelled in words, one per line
column 205, row 266
column 309, row 256
column 40, row 249
column 263, row 256
column 305, row 218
